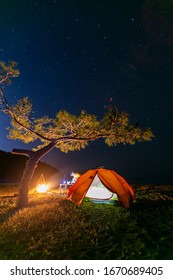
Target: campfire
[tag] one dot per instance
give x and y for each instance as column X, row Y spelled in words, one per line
column 42, row 187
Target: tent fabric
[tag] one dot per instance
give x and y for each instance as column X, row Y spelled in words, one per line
column 110, row 179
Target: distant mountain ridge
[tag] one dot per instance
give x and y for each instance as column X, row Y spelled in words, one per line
column 12, row 166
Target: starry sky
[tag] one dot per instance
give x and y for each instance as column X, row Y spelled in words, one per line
column 75, row 55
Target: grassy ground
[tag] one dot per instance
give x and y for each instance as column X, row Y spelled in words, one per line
column 54, row 228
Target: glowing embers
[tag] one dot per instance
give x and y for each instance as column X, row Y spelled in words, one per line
column 42, row 187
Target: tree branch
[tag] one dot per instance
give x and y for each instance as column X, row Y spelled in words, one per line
column 22, row 152
column 9, row 112
column 40, row 153
column 3, row 80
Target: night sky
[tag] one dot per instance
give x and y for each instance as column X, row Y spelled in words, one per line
column 89, row 54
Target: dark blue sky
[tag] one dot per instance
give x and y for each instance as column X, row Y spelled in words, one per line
column 76, row 55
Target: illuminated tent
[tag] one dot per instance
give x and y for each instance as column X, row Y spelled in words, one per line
column 101, row 184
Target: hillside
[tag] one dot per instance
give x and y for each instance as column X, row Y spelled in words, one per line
column 12, row 166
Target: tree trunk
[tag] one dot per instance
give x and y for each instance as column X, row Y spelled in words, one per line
column 28, row 173
column 29, row 170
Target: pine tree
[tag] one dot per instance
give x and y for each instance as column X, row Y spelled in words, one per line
column 67, row 132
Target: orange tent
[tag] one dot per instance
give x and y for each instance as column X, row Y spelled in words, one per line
column 110, row 179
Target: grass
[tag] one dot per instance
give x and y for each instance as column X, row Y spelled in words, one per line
column 55, row 228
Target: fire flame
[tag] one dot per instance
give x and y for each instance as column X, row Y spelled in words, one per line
column 42, row 188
